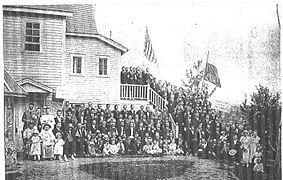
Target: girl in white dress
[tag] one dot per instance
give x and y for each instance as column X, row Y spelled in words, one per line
column 59, row 147
column 35, row 146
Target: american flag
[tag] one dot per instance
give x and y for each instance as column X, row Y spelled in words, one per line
column 148, row 49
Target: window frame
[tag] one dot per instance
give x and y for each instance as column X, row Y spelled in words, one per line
column 107, row 68
column 82, row 64
column 25, row 34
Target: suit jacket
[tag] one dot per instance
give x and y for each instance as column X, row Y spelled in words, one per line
column 123, row 112
column 58, row 119
column 27, row 117
column 87, row 116
column 116, row 114
column 132, row 113
column 140, row 113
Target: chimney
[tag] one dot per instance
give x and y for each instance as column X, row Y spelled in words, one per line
column 110, row 34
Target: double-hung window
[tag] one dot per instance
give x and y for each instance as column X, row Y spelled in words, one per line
column 32, row 36
column 77, row 64
column 103, row 66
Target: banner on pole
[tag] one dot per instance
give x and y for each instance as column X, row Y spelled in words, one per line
column 220, row 105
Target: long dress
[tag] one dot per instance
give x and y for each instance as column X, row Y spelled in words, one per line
column 47, row 144
column 58, row 147
column 253, row 144
column 245, row 140
column 35, row 146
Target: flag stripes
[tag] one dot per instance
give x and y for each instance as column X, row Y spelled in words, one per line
column 148, row 49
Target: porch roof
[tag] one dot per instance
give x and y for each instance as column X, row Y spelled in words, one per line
column 32, row 86
column 11, row 88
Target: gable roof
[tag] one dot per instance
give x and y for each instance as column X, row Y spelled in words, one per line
column 36, row 85
column 82, row 20
column 11, row 88
column 81, row 23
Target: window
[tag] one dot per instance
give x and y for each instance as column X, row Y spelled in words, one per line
column 102, row 66
column 77, row 65
column 32, row 38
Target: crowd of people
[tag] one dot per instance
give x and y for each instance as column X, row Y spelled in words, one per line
column 139, row 76
column 94, row 132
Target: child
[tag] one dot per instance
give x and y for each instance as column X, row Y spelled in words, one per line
column 258, row 166
column 121, row 146
column 58, row 147
column 35, row 146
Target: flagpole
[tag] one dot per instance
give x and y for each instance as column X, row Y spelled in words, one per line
column 204, row 71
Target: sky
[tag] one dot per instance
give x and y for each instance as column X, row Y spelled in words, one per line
column 242, row 40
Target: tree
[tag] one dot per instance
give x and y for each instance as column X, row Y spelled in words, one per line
column 263, row 114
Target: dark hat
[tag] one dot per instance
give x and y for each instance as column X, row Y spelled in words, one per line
column 44, row 125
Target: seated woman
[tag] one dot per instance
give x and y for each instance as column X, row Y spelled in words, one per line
column 165, row 147
column 180, row 147
column 113, row 148
column 147, row 148
column 121, row 146
column 48, row 139
column 156, row 148
column 172, row 148
column 106, row 148
column 92, row 146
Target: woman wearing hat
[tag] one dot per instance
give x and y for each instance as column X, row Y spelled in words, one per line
column 47, row 142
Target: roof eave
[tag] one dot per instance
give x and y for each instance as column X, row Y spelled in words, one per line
column 111, row 42
column 36, row 10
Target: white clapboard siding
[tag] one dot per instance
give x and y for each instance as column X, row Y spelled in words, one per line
column 44, row 66
column 90, row 86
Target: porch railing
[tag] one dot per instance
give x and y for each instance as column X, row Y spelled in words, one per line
column 142, row 92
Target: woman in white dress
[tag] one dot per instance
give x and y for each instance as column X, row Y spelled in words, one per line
column 245, row 143
column 254, row 141
column 47, row 142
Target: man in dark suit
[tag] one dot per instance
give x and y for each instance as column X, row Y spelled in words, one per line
column 87, row 116
column 59, row 117
column 116, row 112
column 148, row 113
column 132, row 111
column 80, row 137
column 123, row 76
column 124, row 112
column 27, row 116
column 141, row 112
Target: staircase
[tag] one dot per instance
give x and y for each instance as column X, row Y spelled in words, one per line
column 143, row 94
